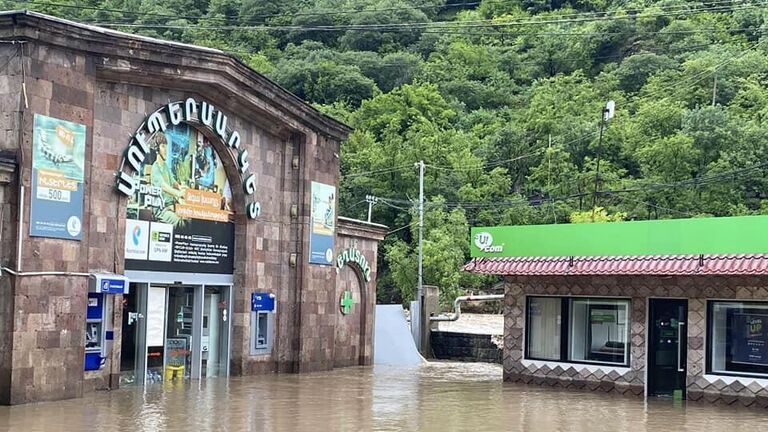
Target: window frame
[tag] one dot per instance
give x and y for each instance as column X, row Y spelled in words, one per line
column 709, row 345
column 565, row 331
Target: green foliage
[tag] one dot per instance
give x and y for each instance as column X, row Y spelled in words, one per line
column 503, row 102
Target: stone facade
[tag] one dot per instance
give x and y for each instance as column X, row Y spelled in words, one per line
column 354, row 331
column 109, row 82
column 632, row 381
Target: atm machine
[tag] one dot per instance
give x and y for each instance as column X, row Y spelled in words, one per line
column 98, row 330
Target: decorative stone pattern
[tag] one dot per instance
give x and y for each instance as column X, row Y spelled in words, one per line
column 110, row 82
column 631, row 381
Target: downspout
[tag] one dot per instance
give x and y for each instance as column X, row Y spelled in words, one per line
column 457, row 306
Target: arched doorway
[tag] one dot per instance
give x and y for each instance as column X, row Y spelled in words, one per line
column 179, row 255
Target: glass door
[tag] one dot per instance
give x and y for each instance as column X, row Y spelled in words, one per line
column 179, row 333
column 214, row 345
column 668, row 344
column 132, row 345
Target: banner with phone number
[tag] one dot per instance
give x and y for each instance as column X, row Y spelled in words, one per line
column 58, row 160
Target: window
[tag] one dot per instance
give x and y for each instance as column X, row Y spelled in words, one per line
column 261, row 332
column 737, row 338
column 595, row 331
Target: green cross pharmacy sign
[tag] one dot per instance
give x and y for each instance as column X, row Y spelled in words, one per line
column 346, row 302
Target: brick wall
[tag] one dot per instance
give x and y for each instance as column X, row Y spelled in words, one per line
column 632, row 380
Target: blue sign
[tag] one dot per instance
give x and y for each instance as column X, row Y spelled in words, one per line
column 108, row 284
column 58, row 166
column 262, row 302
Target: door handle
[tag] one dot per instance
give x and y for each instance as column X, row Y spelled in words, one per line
column 680, row 326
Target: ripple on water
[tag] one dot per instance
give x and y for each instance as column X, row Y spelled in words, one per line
column 437, row 396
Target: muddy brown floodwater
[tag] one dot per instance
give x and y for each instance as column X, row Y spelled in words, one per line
column 435, row 397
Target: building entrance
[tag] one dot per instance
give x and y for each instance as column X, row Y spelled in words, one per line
column 175, row 332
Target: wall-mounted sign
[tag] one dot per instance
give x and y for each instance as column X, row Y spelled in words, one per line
column 353, row 255
column 346, row 302
column 107, row 283
column 170, row 118
column 322, row 224
column 179, row 217
column 58, row 160
column 262, row 302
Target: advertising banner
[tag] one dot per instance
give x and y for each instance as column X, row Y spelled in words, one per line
column 749, row 339
column 322, row 224
column 58, row 160
column 180, row 218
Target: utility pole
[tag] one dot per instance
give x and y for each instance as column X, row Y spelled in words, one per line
column 605, row 115
column 714, row 91
column 371, row 200
column 420, row 165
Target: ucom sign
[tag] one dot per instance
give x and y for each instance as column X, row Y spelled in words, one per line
column 484, row 242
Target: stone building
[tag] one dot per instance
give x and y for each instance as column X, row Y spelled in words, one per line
column 632, row 308
column 167, row 214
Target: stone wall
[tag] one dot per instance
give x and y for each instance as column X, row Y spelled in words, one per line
column 353, row 345
column 631, row 381
column 109, row 83
column 465, row 347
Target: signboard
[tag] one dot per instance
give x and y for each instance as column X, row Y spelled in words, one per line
column 749, row 339
column 322, row 224
column 262, row 302
column 108, row 283
column 724, row 235
column 180, row 217
column 58, row 160
column 176, row 352
column 354, row 255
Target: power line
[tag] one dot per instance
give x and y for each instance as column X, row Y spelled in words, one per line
column 380, row 171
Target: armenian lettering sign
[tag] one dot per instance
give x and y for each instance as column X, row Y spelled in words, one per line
column 749, row 336
column 58, row 159
column 179, row 217
column 322, row 224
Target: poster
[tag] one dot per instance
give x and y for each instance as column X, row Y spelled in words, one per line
column 58, row 159
column 749, row 338
column 180, row 218
column 322, row 224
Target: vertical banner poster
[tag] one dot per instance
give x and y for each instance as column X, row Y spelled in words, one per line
column 322, row 224
column 58, row 160
column 180, row 219
column 749, row 338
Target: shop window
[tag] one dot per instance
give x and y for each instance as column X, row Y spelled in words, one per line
column 737, row 338
column 262, row 323
column 595, row 331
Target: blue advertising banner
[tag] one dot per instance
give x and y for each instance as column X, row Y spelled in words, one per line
column 322, row 224
column 58, row 159
column 749, row 339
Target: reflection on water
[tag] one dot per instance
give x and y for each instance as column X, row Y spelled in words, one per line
column 435, row 397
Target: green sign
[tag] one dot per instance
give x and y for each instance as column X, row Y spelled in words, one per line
column 727, row 235
column 346, row 302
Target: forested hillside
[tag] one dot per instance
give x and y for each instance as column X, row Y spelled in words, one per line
column 503, row 99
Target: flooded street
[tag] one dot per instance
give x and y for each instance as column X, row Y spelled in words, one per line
column 435, row 397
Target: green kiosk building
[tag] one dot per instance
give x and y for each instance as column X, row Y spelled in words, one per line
column 674, row 308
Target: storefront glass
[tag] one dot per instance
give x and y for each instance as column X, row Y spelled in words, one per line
column 738, row 338
column 596, row 330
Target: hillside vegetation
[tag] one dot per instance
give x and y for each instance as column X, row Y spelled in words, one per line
column 503, row 99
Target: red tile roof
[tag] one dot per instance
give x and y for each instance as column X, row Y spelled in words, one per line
column 662, row 265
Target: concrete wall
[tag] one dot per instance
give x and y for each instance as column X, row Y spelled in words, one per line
column 465, row 347
column 631, row 381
